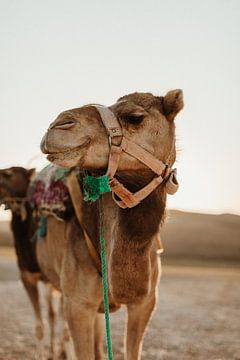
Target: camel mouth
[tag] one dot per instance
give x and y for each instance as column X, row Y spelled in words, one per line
column 68, row 154
column 64, row 152
column 45, row 148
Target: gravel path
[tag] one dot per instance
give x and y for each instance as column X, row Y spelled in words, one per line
column 198, row 317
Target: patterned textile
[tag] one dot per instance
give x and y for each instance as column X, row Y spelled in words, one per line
column 48, row 192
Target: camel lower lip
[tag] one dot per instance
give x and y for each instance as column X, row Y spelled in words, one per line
column 62, row 155
column 64, row 152
column 69, row 153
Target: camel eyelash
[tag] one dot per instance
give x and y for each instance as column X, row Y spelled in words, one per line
column 134, row 120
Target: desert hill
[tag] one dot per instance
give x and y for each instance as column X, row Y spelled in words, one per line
column 202, row 236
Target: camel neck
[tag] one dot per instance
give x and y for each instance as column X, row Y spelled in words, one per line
column 142, row 222
column 131, row 242
column 23, row 232
column 133, row 180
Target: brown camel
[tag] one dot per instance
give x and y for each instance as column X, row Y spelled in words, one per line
column 78, row 137
column 14, row 183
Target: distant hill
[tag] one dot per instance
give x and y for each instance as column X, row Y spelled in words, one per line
column 202, row 236
column 188, row 237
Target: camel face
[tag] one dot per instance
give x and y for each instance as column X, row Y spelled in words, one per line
column 78, row 138
column 14, row 181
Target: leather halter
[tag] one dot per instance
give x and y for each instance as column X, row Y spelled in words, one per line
column 118, row 144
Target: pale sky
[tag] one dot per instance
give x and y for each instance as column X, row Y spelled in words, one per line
column 58, row 54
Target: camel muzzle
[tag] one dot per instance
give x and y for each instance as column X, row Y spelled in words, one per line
column 50, row 141
column 43, row 145
column 59, row 139
column 63, row 124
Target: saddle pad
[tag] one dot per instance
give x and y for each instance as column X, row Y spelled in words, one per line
column 48, row 192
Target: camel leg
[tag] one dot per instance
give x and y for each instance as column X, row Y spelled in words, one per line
column 51, row 317
column 30, row 283
column 99, row 353
column 65, row 351
column 138, row 318
column 81, row 321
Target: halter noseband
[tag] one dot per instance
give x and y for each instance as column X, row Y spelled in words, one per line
column 118, row 144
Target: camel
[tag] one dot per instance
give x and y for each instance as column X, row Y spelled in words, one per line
column 14, row 183
column 132, row 218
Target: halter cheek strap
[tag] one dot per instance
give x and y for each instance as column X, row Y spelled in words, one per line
column 119, row 144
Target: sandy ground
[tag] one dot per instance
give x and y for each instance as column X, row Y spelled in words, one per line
column 198, row 316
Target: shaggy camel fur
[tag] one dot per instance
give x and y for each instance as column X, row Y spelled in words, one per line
column 14, row 184
column 78, row 138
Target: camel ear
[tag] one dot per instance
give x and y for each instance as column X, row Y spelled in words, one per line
column 172, row 103
column 31, row 173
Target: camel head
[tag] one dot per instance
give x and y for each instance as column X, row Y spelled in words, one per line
column 78, row 138
column 14, row 182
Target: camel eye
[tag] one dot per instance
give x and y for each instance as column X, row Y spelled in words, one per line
column 134, row 119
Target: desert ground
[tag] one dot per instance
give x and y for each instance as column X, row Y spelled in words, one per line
column 198, row 310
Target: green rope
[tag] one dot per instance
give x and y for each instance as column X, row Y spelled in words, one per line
column 105, row 282
column 93, row 188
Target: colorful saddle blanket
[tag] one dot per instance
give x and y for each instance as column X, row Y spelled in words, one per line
column 48, row 192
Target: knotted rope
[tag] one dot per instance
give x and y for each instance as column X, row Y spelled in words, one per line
column 105, row 282
column 93, row 189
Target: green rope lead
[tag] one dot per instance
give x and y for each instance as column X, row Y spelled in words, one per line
column 94, row 187
column 104, row 282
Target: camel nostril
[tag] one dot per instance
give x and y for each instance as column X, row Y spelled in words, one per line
column 62, row 124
